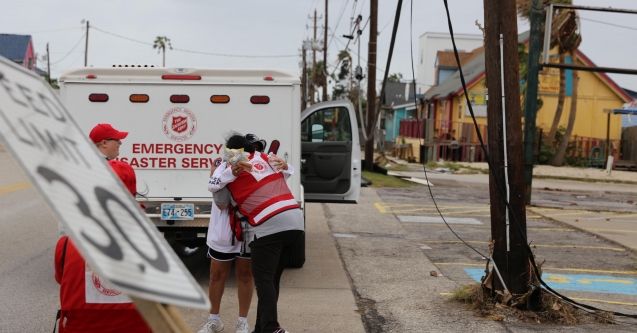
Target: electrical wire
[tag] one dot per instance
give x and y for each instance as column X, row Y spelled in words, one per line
column 498, row 186
column 433, row 198
column 70, row 51
column 338, row 22
column 608, row 23
column 195, row 51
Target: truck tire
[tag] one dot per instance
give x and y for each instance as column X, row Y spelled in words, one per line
column 297, row 259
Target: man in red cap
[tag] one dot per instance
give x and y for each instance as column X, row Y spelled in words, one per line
column 88, row 303
column 107, row 139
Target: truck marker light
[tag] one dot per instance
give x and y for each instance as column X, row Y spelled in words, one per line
column 220, row 99
column 139, row 98
column 256, row 99
column 98, row 97
column 179, row 98
column 180, row 77
column 91, row 76
column 268, row 78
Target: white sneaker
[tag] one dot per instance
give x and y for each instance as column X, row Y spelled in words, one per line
column 242, row 327
column 212, row 326
column 280, row 330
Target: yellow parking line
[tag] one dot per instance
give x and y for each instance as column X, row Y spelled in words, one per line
column 612, row 230
column 379, row 206
column 581, row 300
column 616, row 249
column 577, row 213
column 603, row 301
column 546, row 269
column 6, row 189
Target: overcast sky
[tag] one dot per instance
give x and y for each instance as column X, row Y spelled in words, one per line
column 242, row 29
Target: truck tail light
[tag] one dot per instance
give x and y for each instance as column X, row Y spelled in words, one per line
column 220, row 99
column 180, row 77
column 179, row 98
column 98, row 97
column 259, row 99
column 139, row 98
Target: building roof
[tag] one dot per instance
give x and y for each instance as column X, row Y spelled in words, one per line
column 474, row 70
column 398, row 93
column 447, row 59
column 14, row 47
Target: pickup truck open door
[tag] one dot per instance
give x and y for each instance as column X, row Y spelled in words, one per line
column 330, row 153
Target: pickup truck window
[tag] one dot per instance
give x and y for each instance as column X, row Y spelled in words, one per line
column 327, row 125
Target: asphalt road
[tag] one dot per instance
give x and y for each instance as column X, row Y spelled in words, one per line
column 386, row 248
column 27, row 237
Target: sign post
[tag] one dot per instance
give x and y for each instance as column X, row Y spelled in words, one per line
column 104, row 221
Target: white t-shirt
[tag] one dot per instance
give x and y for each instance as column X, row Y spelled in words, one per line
column 220, row 236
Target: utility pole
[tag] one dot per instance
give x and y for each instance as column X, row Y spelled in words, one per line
column 48, row 63
column 530, row 103
column 304, row 77
column 86, row 46
column 371, row 85
column 325, row 55
column 311, row 84
column 508, row 231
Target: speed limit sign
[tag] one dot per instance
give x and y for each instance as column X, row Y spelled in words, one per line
column 101, row 217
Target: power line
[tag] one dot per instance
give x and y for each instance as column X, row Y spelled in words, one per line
column 338, row 22
column 70, row 51
column 608, row 23
column 55, row 30
column 195, row 51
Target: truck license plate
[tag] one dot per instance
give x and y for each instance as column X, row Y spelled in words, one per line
column 177, row 211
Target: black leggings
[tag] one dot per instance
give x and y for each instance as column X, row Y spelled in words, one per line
column 270, row 255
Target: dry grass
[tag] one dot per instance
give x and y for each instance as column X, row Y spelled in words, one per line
column 552, row 310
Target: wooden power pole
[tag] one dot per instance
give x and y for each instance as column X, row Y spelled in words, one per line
column 86, row 45
column 304, row 77
column 509, row 235
column 313, row 72
column 371, row 85
column 325, row 55
column 48, row 63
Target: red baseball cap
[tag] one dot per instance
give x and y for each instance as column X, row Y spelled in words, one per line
column 126, row 174
column 105, row 131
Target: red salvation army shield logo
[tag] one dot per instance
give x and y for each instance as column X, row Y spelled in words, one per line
column 179, row 124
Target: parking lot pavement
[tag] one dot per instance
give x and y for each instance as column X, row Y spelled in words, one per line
column 618, row 227
column 405, row 239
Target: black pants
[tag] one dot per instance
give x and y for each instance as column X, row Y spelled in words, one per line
column 269, row 257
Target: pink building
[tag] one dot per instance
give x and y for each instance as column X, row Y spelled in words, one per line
column 19, row 49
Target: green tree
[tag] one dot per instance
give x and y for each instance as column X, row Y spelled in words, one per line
column 317, row 77
column 160, row 43
column 343, row 84
column 395, row 77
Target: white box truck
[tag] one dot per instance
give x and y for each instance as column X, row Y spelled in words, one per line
column 178, row 120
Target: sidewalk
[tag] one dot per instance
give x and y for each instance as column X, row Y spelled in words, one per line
column 315, row 298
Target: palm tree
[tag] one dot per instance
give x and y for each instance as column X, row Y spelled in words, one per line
column 568, row 40
column 340, row 88
column 565, row 35
column 160, row 43
column 558, row 159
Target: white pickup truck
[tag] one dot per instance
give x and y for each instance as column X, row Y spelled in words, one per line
column 178, row 120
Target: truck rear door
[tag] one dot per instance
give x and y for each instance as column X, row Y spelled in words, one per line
column 330, row 153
